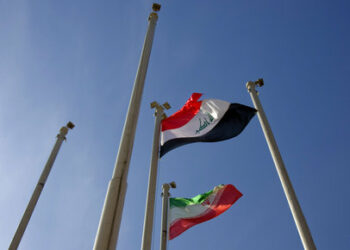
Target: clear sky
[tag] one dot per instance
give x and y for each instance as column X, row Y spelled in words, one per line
column 77, row 60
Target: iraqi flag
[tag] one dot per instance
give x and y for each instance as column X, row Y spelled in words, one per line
column 209, row 120
column 188, row 212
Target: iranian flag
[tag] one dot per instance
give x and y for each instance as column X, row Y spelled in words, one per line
column 208, row 120
column 185, row 213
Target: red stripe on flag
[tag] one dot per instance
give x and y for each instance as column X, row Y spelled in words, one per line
column 228, row 195
column 184, row 115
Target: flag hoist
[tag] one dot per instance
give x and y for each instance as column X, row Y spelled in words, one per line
column 108, row 229
column 152, row 181
column 295, row 208
column 39, row 187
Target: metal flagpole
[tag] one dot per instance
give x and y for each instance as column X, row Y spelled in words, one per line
column 152, row 181
column 108, row 229
column 297, row 213
column 165, row 208
column 39, row 187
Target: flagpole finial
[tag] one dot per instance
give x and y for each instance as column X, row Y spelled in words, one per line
column 251, row 85
column 166, row 105
column 167, row 186
column 156, row 7
column 160, row 108
column 70, row 125
column 260, row 82
column 64, row 129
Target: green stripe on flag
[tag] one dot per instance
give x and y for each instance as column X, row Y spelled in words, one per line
column 183, row 202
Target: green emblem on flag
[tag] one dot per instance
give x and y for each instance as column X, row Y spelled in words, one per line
column 205, row 122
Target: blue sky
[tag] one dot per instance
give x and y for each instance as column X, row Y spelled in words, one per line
column 76, row 60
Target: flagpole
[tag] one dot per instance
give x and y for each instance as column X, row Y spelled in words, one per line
column 109, row 225
column 39, row 187
column 152, row 182
column 295, row 208
column 165, row 208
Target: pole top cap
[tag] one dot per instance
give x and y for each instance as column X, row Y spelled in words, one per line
column 156, row 7
column 260, row 82
column 166, row 105
column 70, row 125
column 160, row 108
column 251, row 85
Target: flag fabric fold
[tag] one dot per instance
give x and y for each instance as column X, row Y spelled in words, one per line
column 185, row 213
column 209, row 120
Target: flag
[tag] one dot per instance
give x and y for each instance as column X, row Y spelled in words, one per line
column 185, row 213
column 208, row 120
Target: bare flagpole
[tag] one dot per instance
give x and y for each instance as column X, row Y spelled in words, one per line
column 108, row 229
column 152, row 181
column 39, row 187
column 295, row 208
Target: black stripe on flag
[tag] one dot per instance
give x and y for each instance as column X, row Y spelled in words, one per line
column 231, row 124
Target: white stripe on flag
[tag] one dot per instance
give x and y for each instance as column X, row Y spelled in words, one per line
column 216, row 108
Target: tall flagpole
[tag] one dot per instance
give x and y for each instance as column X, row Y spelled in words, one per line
column 165, row 208
column 152, row 181
column 108, row 229
column 297, row 213
column 39, row 187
